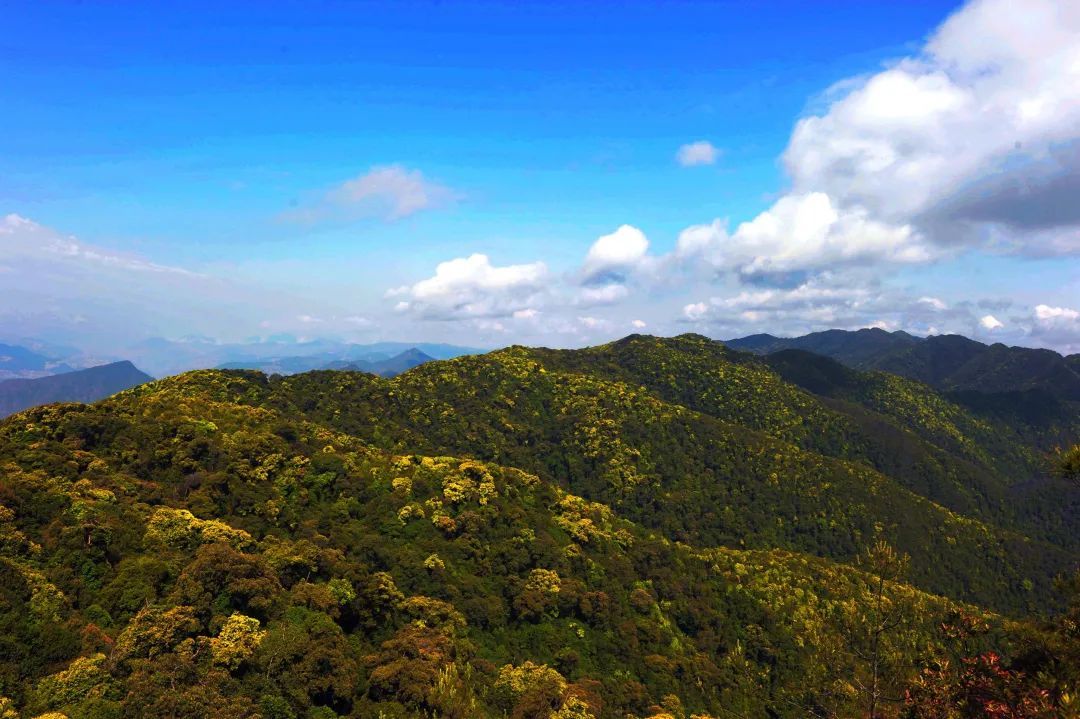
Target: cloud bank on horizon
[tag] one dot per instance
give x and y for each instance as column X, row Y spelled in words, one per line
column 967, row 150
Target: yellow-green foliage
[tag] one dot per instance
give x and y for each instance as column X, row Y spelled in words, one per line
column 543, row 581
column 84, row 678
column 154, row 631
column 433, row 613
column 514, row 682
column 47, row 602
column 237, row 641
column 180, row 529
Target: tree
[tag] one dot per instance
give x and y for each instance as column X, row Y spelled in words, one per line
column 875, row 628
column 1066, row 463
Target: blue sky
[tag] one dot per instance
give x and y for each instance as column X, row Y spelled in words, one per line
column 297, row 162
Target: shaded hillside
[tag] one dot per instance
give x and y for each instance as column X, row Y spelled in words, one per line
column 946, row 362
column 184, row 549
column 87, row 385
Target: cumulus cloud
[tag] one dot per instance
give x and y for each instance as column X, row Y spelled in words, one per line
column 695, row 311
column 972, row 142
column 1058, row 326
column 471, row 287
column 969, row 141
column 701, row 152
column 391, row 192
column 989, row 322
column 638, row 324
column 803, row 234
column 613, row 257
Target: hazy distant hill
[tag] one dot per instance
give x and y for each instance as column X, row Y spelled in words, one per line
column 390, row 367
column 946, row 362
column 88, row 385
column 278, row 355
column 375, row 363
column 19, row 362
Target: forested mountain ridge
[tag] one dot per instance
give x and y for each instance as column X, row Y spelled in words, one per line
column 224, row 543
column 946, row 362
column 765, row 463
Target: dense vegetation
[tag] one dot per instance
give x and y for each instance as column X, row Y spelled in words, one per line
column 652, row 528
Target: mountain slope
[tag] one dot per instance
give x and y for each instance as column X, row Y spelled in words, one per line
column 754, row 472
column 169, row 552
column 650, row 528
column 87, row 385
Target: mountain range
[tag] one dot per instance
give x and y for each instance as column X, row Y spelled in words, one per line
column 375, row 363
column 282, row 354
column 20, row 362
column 649, row 528
column 946, row 362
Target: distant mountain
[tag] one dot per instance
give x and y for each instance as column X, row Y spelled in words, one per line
column 279, row 355
column 19, row 362
column 945, row 362
column 87, row 385
column 391, row 367
column 375, row 363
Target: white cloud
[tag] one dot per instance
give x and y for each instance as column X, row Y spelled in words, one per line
column 592, row 323
column 701, row 152
column 933, row 303
column 23, row 238
column 360, row 321
column 614, row 256
column 802, row 234
column 309, row 320
column 972, row 142
column 989, row 322
column 391, row 192
column 1057, row 326
column 525, row 314
column 1046, row 313
column 603, row 295
column 638, row 324
column 471, row 287
column 695, row 311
